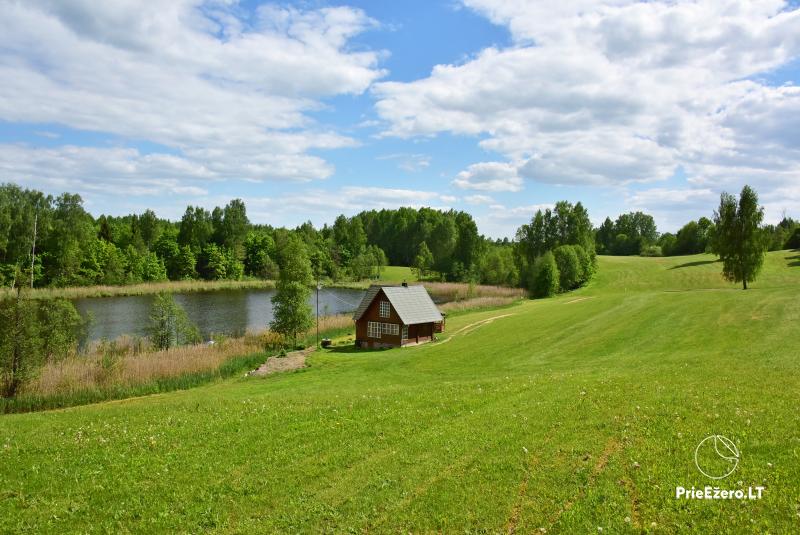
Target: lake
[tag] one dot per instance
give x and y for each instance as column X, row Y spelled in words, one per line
column 230, row 312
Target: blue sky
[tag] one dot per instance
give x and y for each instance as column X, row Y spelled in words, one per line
column 310, row 109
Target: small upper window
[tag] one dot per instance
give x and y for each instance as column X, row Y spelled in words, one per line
column 385, row 309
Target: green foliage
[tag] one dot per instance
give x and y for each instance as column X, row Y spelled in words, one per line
column 569, row 267
column 566, row 224
column 291, row 312
column 196, row 228
column 169, row 324
column 628, row 235
column 368, row 264
column 213, row 263
column 693, row 238
column 498, row 268
column 62, row 327
column 545, row 276
column 739, row 240
column 387, row 424
column 34, row 332
column 423, row 262
column 652, row 250
column 184, row 264
column 20, row 342
column 451, row 236
column 259, row 251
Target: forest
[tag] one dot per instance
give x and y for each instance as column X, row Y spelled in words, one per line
column 59, row 243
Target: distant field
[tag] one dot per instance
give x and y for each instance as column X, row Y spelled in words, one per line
column 397, row 274
column 568, row 414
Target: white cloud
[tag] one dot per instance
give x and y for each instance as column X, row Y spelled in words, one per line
column 677, row 199
column 618, row 92
column 228, row 93
column 478, row 199
column 489, row 176
column 409, row 162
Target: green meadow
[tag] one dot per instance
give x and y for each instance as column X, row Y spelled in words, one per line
column 563, row 415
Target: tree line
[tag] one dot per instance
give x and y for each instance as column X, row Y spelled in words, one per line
column 635, row 233
column 58, row 243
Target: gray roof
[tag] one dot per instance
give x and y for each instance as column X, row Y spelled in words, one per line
column 412, row 303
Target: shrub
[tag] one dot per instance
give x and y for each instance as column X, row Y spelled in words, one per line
column 545, row 280
column 586, row 263
column 651, row 250
column 169, row 325
column 569, row 267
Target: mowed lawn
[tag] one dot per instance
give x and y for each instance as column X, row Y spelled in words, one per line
column 566, row 414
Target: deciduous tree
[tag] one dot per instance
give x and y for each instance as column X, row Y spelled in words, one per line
column 739, row 240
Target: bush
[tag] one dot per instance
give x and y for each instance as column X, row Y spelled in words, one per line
column 169, row 324
column 586, row 262
column 794, row 241
column 651, row 250
column 545, row 279
column 569, row 267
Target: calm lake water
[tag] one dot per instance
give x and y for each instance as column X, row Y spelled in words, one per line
column 230, row 312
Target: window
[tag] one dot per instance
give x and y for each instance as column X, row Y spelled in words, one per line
column 373, row 329
column 390, row 328
column 405, row 332
column 385, row 309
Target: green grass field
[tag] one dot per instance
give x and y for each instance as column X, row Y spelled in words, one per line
column 395, row 274
column 569, row 414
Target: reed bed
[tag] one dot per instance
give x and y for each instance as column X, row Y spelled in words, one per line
column 145, row 288
column 458, row 291
column 123, row 367
column 128, row 361
column 476, row 303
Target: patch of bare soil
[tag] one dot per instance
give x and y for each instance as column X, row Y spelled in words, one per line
column 578, row 300
column 292, row 361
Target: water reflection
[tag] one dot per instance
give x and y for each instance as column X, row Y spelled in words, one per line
column 229, row 312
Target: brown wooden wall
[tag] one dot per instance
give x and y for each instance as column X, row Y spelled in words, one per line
column 373, row 314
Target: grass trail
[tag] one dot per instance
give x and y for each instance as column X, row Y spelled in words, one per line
column 566, row 418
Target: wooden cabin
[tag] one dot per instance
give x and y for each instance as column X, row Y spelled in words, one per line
column 394, row 316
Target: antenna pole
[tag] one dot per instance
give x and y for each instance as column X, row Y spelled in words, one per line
column 318, row 285
column 33, row 249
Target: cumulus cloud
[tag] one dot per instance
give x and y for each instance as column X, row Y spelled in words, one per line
column 227, row 93
column 489, row 176
column 478, row 199
column 618, row 92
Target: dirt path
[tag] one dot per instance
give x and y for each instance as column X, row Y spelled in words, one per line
column 578, row 300
column 472, row 326
column 292, row 361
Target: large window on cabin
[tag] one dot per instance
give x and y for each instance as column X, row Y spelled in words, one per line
column 390, row 328
column 374, row 329
column 385, row 309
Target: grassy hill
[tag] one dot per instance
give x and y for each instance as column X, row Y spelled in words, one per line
column 566, row 414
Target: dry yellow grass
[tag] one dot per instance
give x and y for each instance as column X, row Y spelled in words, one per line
column 75, row 292
column 457, row 291
column 97, row 371
column 130, row 361
column 477, row 302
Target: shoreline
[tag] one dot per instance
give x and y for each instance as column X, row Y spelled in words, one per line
column 450, row 291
